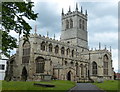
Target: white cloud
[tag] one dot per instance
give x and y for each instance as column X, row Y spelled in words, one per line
column 14, row 34
column 100, row 24
column 104, row 37
column 115, row 59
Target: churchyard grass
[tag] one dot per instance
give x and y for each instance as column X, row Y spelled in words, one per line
column 29, row 85
column 109, row 85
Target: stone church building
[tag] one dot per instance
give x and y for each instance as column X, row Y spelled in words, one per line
column 44, row 58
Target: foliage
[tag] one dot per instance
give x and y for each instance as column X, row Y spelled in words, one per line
column 20, row 85
column 8, row 42
column 13, row 18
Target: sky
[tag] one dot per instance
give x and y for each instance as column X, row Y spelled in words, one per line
column 102, row 21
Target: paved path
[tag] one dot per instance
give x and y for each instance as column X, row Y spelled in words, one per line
column 85, row 87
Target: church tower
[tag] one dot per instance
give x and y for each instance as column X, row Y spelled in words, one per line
column 74, row 28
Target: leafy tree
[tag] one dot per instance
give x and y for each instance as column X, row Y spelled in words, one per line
column 13, row 18
column 8, row 43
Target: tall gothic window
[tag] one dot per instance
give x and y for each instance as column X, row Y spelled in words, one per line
column 50, row 47
column 43, row 46
column 86, row 71
column 67, row 24
column 26, row 52
column 62, row 50
column 82, row 71
column 72, row 53
column 80, row 23
column 71, row 23
column 83, row 25
column 56, row 49
column 94, row 68
column 71, row 63
column 77, row 69
column 65, row 62
column 67, row 51
column 105, row 65
column 40, row 63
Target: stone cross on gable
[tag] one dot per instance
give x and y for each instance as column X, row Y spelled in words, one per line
column 35, row 29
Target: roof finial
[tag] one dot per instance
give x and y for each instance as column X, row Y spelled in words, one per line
column 62, row 11
column 69, row 9
column 35, row 29
column 81, row 10
column 76, row 7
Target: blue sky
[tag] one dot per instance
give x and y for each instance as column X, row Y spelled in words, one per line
column 102, row 21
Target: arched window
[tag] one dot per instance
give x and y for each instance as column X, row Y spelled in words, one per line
column 62, row 50
column 94, row 68
column 26, row 52
column 50, row 63
column 77, row 69
column 71, row 63
column 67, row 24
column 80, row 23
column 83, row 25
column 40, row 63
column 86, row 71
column 56, row 49
column 43, row 46
column 65, row 62
column 67, row 51
column 105, row 65
column 71, row 23
column 72, row 53
column 82, row 71
column 50, row 47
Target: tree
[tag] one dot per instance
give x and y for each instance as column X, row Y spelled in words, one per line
column 13, row 18
column 8, row 43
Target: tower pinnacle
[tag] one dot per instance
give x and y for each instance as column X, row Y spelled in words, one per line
column 69, row 9
column 76, row 7
column 81, row 10
column 86, row 13
column 62, row 11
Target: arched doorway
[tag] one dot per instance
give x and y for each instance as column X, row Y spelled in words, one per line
column 69, row 75
column 24, row 74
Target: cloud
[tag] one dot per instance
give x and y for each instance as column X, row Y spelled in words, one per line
column 115, row 59
column 105, row 38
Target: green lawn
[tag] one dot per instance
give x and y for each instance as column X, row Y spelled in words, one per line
column 109, row 86
column 20, row 85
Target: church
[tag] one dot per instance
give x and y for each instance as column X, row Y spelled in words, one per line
column 43, row 58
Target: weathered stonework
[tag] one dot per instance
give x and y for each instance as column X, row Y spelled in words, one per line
column 39, row 59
